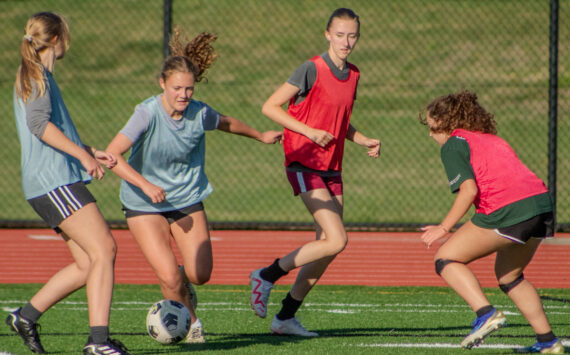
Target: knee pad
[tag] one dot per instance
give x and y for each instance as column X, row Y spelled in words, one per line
column 507, row 287
column 441, row 263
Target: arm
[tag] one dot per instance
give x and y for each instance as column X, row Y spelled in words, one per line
column 465, row 197
column 273, row 109
column 55, row 138
column 373, row 145
column 235, row 126
column 118, row 146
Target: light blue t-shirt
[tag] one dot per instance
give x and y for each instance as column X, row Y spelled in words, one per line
column 168, row 153
column 45, row 168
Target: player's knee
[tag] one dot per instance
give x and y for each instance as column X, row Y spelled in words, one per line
column 506, row 288
column 440, row 264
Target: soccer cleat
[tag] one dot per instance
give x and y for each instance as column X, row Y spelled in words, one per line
column 483, row 326
column 190, row 287
column 26, row 330
column 196, row 333
column 260, row 290
column 111, row 347
column 551, row 347
column 290, row 326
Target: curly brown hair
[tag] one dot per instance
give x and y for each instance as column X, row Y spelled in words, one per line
column 459, row 110
column 194, row 57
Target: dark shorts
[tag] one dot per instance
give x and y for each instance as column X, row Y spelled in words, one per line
column 171, row 216
column 58, row 204
column 540, row 226
column 303, row 181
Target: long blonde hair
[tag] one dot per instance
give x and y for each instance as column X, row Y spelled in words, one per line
column 193, row 57
column 39, row 33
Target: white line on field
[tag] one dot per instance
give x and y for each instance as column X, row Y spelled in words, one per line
column 435, row 345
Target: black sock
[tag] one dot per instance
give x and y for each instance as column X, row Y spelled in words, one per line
column 30, row 313
column 290, row 307
column 99, row 334
column 545, row 338
column 273, row 272
column 484, row 310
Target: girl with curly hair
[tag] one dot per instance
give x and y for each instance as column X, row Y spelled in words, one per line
column 513, row 214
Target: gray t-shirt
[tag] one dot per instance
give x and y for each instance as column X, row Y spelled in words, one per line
column 38, row 111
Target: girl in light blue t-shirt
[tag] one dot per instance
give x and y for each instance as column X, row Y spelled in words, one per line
column 164, row 182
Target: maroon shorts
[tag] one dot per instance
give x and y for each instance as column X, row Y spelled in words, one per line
column 302, row 181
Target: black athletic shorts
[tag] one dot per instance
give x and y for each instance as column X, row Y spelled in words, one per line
column 171, row 216
column 540, row 226
column 60, row 203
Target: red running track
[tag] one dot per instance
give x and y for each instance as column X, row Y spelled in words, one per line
column 371, row 258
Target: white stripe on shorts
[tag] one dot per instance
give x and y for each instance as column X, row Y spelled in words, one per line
column 508, row 237
column 58, row 204
column 301, row 181
column 75, row 204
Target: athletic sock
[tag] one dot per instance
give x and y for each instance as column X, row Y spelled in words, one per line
column 99, row 334
column 484, row 310
column 545, row 338
column 273, row 272
column 290, row 307
column 30, row 313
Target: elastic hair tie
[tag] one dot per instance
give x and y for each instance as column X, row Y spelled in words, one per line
column 28, row 38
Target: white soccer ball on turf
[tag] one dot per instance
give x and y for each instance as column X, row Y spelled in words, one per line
column 168, row 321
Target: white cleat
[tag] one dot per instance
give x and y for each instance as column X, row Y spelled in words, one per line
column 290, row 327
column 260, row 290
column 196, row 333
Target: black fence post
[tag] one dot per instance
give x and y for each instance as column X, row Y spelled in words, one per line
column 553, row 103
column 167, row 27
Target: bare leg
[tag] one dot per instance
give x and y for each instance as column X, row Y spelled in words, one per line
column 89, row 231
column 331, row 219
column 327, row 212
column 467, row 244
column 509, row 265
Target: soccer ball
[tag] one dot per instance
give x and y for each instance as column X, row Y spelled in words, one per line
column 168, row 321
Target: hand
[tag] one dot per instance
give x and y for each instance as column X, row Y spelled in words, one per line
column 155, row 193
column 373, row 146
column 271, row 137
column 320, row 137
column 432, row 233
column 107, row 159
column 92, row 166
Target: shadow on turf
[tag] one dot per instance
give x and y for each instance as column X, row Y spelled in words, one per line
column 229, row 341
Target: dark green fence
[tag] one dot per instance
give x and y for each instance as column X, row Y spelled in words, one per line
column 410, row 52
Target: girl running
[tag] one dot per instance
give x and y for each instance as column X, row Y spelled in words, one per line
column 320, row 94
column 513, row 213
column 164, row 181
column 56, row 166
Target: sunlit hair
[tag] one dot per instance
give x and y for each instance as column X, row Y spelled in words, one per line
column 344, row 13
column 194, row 57
column 39, row 33
column 459, row 110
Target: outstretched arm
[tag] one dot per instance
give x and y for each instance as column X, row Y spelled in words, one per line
column 467, row 192
column 373, row 145
column 273, row 109
column 119, row 146
column 233, row 125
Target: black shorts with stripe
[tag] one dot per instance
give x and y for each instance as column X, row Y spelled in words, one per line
column 58, row 204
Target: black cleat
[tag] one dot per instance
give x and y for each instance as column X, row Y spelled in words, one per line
column 111, row 347
column 27, row 330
